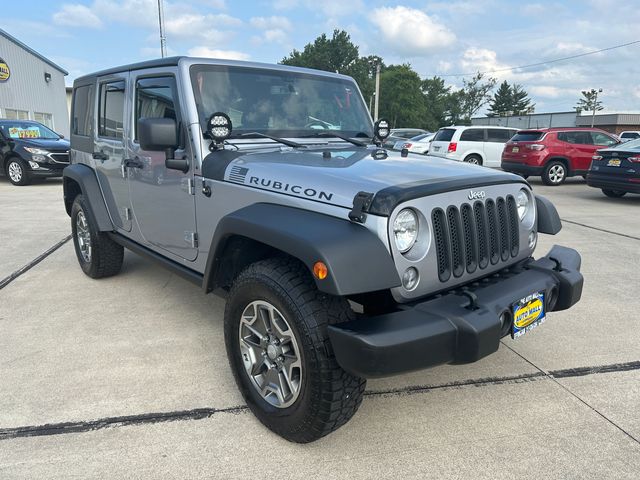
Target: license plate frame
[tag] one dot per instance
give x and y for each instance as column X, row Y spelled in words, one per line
column 528, row 313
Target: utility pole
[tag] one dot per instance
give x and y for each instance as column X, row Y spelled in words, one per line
column 594, row 92
column 163, row 40
column 377, row 93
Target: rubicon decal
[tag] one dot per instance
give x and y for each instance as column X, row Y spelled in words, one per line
column 241, row 175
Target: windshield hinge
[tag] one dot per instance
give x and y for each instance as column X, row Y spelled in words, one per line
column 361, row 203
column 191, row 238
column 192, row 186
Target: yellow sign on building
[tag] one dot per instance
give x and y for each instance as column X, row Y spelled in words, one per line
column 5, row 73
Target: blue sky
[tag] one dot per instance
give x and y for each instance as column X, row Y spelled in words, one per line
column 435, row 37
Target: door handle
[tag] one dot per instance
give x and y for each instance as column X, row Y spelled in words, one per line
column 133, row 163
column 100, row 156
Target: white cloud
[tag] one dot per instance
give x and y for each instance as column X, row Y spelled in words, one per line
column 268, row 23
column 214, row 53
column 481, row 59
column 411, row 32
column 75, row 15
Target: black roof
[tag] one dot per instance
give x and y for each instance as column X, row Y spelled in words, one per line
column 158, row 62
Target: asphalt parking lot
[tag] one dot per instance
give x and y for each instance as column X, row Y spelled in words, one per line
column 127, row 377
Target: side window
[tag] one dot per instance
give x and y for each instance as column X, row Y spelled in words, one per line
column 576, row 137
column 82, row 115
column 156, row 98
column 111, row 110
column 499, row 135
column 472, row 135
column 602, row 139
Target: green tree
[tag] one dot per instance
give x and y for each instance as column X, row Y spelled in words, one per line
column 438, row 103
column 510, row 100
column 401, row 99
column 589, row 101
column 476, row 93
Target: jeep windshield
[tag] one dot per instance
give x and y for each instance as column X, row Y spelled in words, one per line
column 280, row 102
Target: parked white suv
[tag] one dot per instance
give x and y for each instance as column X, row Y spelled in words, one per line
column 479, row 145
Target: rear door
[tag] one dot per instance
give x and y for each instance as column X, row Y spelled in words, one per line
column 440, row 142
column 579, row 148
column 108, row 148
column 163, row 200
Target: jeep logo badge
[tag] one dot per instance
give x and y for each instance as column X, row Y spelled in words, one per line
column 479, row 195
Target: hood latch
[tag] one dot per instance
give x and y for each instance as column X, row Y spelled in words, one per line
column 361, row 203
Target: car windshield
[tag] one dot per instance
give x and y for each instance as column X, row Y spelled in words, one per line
column 27, row 130
column 630, row 145
column 527, row 136
column 419, row 137
column 444, row 135
column 280, row 103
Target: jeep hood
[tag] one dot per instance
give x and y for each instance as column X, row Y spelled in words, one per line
column 336, row 179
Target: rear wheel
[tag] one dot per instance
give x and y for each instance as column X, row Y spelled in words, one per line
column 99, row 256
column 275, row 329
column 613, row 193
column 18, row 172
column 555, row 173
column 473, row 159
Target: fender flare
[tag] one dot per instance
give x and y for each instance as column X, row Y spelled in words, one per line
column 356, row 259
column 548, row 219
column 87, row 181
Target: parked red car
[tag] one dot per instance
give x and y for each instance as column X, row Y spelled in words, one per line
column 554, row 153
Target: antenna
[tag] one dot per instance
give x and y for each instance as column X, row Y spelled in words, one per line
column 163, row 39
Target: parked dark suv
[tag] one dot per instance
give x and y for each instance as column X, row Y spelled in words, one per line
column 554, row 153
column 29, row 149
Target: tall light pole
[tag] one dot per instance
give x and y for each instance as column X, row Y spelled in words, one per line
column 594, row 94
column 163, row 40
column 377, row 93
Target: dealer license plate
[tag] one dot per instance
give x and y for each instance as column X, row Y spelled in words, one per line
column 515, row 149
column 528, row 313
column 614, row 162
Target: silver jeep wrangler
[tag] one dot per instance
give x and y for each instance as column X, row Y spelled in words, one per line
column 339, row 260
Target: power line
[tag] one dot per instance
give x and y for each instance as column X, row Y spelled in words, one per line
column 562, row 59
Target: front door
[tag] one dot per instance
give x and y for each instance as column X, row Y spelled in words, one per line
column 108, row 151
column 163, row 200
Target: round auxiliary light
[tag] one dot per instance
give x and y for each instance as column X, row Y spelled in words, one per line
column 381, row 129
column 219, row 127
column 405, row 230
column 410, row 278
column 522, row 202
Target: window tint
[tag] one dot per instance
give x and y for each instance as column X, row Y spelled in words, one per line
column 577, row 137
column 111, row 111
column 444, row 135
column 155, row 98
column 472, row 135
column 602, row 139
column 527, row 136
column 82, row 115
column 499, row 135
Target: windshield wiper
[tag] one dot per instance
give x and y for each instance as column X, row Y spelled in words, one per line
column 288, row 143
column 337, row 135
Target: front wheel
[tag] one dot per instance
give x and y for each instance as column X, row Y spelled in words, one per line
column 275, row 328
column 613, row 193
column 99, row 256
column 18, row 172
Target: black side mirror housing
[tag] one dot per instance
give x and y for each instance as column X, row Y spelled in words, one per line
column 158, row 134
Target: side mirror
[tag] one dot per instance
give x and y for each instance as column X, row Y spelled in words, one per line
column 61, row 136
column 158, row 134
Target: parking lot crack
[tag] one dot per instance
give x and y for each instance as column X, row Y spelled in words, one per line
column 604, row 230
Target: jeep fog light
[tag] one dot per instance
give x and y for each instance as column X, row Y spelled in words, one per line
column 405, row 229
column 410, row 278
column 522, row 202
column 34, row 165
column 533, row 239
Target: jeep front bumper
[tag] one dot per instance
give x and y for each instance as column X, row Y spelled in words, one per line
column 456, row 327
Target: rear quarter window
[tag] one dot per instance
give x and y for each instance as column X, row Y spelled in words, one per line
column 472, row 135
column 444, row 135
column 499, row 135
column 527, row 136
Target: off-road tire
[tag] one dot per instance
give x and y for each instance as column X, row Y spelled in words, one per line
column 551, row 172
column 328, row 395
column 613, row 193
column 474, row 159
column 106, row 255
column 21, row 166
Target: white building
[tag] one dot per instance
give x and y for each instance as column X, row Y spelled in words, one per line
column 31, row 86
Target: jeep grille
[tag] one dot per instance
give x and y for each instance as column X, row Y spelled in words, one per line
column 474, row 236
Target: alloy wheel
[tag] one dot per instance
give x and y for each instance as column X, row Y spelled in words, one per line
column 270, row 354
column 84, row 236
column 556, row 173
column 15, row 172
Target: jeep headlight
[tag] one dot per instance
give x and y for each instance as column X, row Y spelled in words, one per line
column 405, row 230
column 523, row 203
